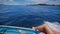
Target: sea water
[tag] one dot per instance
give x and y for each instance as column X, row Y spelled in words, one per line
column 26, row 16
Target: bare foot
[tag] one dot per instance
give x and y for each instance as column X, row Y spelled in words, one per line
column 45, row 28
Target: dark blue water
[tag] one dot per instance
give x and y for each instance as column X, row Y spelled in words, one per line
column 28, row 16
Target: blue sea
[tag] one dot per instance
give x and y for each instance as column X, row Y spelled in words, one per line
column 28, row 16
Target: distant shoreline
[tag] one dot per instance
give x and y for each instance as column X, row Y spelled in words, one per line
column 44, row 5
column 39, row 5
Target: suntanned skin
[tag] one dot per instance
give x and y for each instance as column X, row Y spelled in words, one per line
column 45, row 28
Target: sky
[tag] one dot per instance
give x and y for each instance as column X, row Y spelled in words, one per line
column 25, row 2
